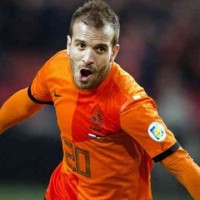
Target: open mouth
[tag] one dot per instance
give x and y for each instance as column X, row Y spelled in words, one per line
column 85, row 72
column 85, row 75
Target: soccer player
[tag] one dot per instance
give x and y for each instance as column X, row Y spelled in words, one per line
column 110, row 128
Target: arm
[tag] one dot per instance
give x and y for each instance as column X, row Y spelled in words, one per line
column 181, row 165
column 17, row 108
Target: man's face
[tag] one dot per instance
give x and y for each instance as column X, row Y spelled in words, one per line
column 91, row 54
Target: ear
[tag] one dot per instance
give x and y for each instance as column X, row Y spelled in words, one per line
column 115, row 51
column 69, row 40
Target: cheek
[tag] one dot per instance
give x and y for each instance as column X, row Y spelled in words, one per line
column 74, row 54
column 73, row 63
column 107, row 59
column 74, row 58
column 105, row 62
column 103, row 66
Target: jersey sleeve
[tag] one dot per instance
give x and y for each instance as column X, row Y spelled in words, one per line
column 38, row 91
column 140, row 119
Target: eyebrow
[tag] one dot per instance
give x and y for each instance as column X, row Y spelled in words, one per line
column 78, row 40
column 96, row 45
column 101, row 45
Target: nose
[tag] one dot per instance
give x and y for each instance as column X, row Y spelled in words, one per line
column 88, row 57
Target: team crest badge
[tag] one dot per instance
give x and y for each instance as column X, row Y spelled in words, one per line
column 157, row 132
column 96, row 121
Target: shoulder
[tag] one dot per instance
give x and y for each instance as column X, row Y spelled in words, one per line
column 127, row 85
column 58, row 59
column 56, row 64
column 54, row 70
column 129, row 91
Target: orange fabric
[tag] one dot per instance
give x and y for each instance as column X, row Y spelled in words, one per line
column 104, row 133
column 58, row 186
column 185, row 170
column 17, row 108
column 138, row 115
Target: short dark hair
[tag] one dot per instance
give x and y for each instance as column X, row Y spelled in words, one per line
column 96, row 13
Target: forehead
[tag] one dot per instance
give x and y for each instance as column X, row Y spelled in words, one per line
column 86, row 33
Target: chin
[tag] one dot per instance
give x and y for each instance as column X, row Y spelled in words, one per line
column 82, row 86
column 93, row 83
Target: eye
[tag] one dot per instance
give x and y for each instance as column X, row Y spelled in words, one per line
column 101, row 49
column 81, row 45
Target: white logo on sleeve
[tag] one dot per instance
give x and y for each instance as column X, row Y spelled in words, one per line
column 157, row 132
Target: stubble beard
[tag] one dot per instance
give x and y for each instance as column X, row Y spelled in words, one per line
column 99, row 76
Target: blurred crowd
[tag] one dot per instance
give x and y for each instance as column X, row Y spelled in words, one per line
column 160, row 47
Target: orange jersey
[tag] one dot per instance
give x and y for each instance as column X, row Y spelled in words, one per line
column 109, row 134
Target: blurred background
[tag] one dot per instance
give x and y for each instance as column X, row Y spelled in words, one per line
column 160, row 47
